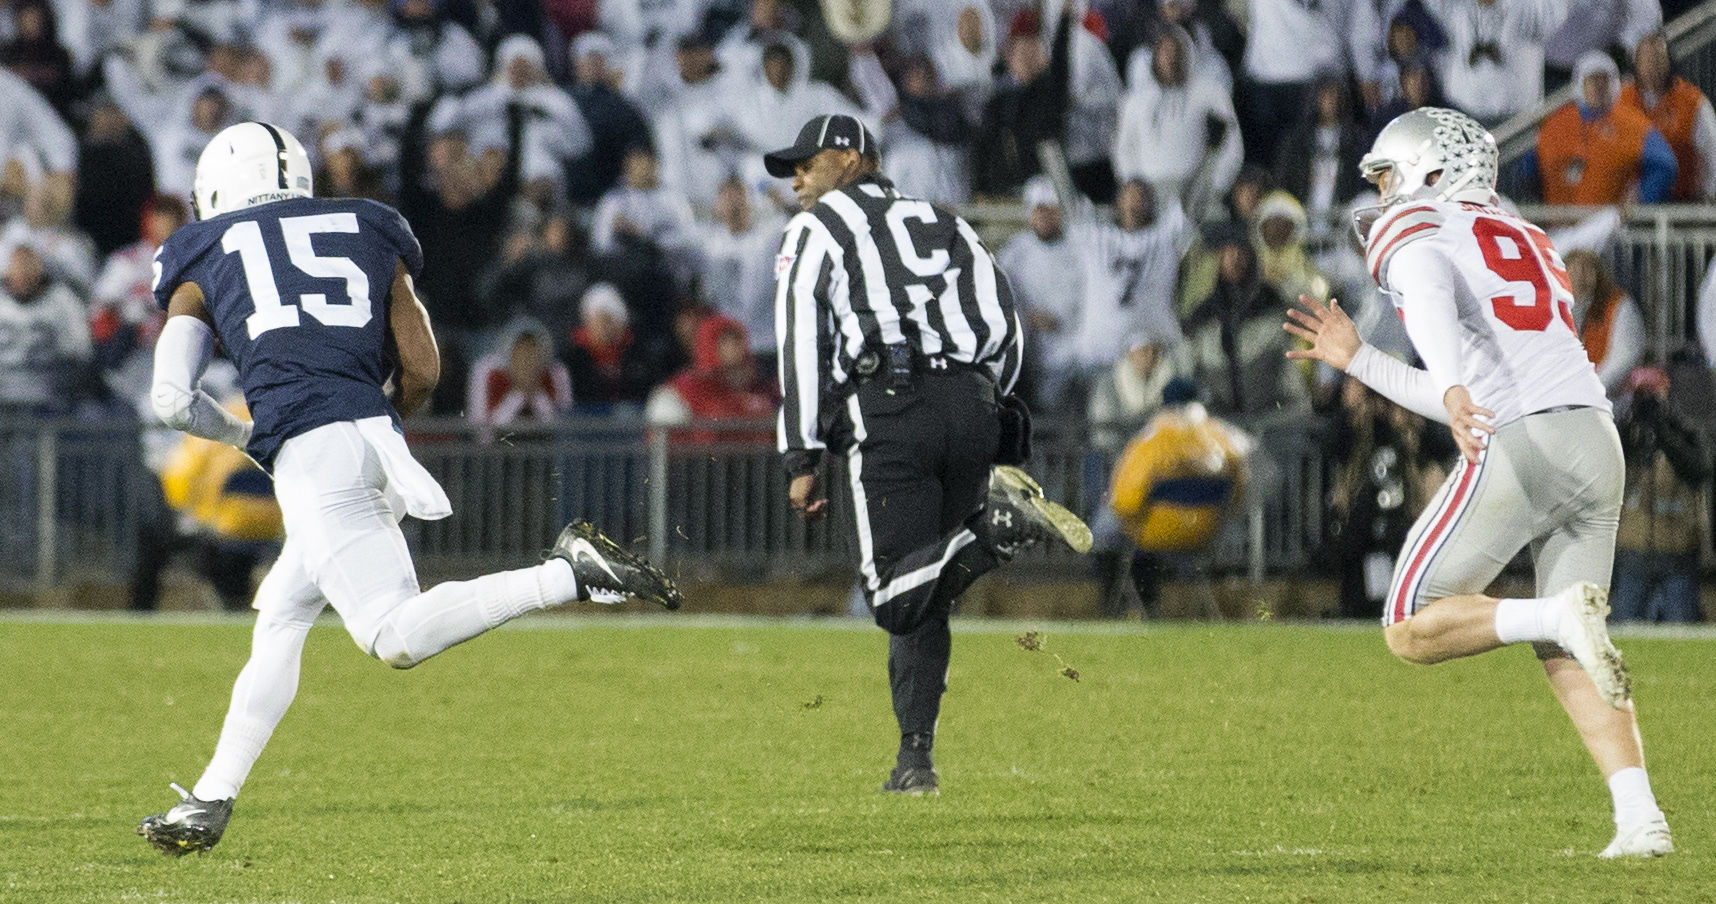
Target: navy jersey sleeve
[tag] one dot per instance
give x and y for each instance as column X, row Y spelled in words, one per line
column 397, row 232
column 172, row 260
column 163, row 283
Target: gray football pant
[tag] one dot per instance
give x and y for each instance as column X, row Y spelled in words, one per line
column 1551, row 480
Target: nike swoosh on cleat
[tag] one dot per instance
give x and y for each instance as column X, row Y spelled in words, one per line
column 584, row 548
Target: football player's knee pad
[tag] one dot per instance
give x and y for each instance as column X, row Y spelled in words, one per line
column 388, row 645
column 278, row 624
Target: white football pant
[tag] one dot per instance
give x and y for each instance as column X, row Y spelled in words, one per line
column 344, row 548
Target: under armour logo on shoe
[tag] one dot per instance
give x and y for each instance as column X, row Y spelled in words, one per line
column 1001, row 518
column 842, row 141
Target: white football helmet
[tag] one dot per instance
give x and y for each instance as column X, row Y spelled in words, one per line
column 1428, row 140
column 248, row 164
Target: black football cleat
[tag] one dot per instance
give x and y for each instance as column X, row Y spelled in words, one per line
column 1017, row 515
column 191, row 826
column 913, row 781
column 607, row 573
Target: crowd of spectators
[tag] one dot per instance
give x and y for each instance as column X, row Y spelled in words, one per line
column 586, row 176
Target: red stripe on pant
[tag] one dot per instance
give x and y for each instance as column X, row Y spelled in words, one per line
column 1451, row 507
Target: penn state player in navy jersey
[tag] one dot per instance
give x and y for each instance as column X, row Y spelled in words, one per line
column 289, row 289
column 313, row 300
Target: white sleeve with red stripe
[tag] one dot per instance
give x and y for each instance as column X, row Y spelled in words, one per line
column 1399, row 382
column 1428, row 304
column 1396, row 230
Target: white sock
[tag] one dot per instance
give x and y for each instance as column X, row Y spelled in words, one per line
column 558, row 581
column 241, row 743
column 1634, row 803
column 260, row 697
column 1529, row 620
column 456, row 611
column 525, row 590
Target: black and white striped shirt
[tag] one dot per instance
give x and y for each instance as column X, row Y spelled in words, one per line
column 868, row 267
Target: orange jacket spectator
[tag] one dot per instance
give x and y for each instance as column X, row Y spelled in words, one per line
column 1595, row 151
column 1608, row 320
column 1681, row 113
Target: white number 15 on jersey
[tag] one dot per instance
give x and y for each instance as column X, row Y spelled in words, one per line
column 245, row 239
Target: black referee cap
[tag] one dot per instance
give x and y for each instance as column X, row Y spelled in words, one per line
column 834, row 130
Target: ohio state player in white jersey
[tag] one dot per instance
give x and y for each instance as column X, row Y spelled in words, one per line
column 1487, row 304
column 1498, row 277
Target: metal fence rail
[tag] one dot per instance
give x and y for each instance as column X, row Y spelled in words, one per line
column 706, row 500
column 1660, row 255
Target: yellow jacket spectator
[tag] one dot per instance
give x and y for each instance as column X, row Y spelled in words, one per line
column 1177, row 481
column 220, row 490
column 227, row 519
column 1281, row 230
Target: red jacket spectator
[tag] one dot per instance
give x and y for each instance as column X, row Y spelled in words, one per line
column 720, row 384
column 519, row 380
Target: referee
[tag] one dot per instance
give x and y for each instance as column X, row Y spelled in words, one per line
column 898, row 341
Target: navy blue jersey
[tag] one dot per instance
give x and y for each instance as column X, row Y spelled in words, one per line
column 298, row 290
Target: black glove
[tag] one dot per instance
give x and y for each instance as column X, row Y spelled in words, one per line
column 1015, row 445
column 799, row 462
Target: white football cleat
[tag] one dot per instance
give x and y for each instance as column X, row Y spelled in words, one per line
column 1647, row 839
column 1585, row 635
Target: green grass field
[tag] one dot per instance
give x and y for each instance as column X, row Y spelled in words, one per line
column 654, row 759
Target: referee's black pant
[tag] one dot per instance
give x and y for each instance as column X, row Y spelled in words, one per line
column 918, row 462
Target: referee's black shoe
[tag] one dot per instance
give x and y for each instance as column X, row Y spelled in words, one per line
column 1017, row 515
column 913, row 781
column 606, row 573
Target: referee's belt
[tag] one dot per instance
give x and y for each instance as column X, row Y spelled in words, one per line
column 901, row 361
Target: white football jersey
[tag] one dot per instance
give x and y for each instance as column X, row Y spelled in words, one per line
column 1129, row 279
column 1487, row 303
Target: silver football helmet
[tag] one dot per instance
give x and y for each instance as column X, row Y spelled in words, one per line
column 248, row 164
column 1428, row 140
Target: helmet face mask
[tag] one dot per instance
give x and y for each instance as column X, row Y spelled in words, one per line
column 248, row 164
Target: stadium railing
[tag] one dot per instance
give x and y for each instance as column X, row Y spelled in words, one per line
column 704, row 498
column 1660, row 254
column 708, row 500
